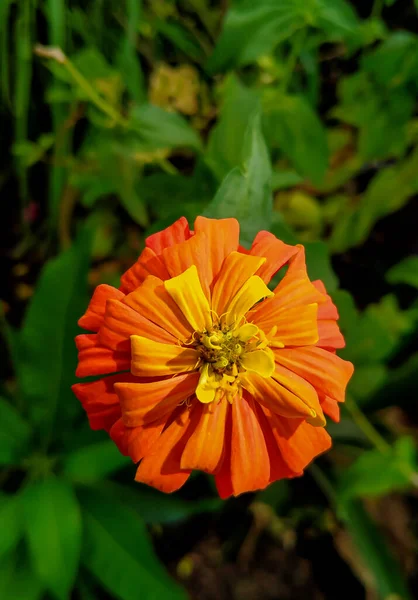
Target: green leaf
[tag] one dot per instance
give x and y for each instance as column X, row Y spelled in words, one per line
column 254, row 28
column 246, row 194
column 400, row 387
column 158, row 128
column 282, row 180
column 118, row 552
column 224, row 150
column 53, row 529
column 377, row 473
column 154, row 507
column 93, row 463
column 319, row 264
column 336, row 17
column 46, row 345
column 17, row 580
column 14, row 433
column 405, row 271
column 292, row 126
column 11, row 523
column 387, row 576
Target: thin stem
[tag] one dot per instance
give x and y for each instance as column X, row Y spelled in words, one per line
column 367, row 428
column 377, row 9
column 297, row 41
column 58, row 55
column 323, row 483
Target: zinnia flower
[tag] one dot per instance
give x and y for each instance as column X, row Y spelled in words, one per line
column 212, row 370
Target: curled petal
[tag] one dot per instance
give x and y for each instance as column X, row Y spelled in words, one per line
column 95, row 359
column 187, row 293
column 298, row 441
column 253, row 290
column 93, row 317
column 161, row 468
column 121, row 321
column 204, row 448
column 136, row 442
column 276, row 252
column 153, row 359
column 174, row 234
column 260, row 362
column 327, row 372
column 154, row 303
column 236, row 270
column 146, row 402
column 147, row 264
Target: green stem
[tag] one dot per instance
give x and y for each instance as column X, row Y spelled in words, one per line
column 377, row 9
column 58, row 55
column 367, row 428
column 323, row 483
column 297, row 41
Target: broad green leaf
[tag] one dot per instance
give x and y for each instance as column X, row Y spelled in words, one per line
column 387, row 575
column 377, row 473
column 14, row 433
column 224, row 150
column 157, row 128
column 285, row 179
column 405, row 271
column 53, row 529
column 366, row 380
column 94, row 462
column 291, row 125
column 319, row 264
column 246, row 194
column 153, row 506
column 11, row 523
column 118, row 552
column 252, row 28
column 336, row 17
column 17, row 580
column 395, row 61
column 47, row 353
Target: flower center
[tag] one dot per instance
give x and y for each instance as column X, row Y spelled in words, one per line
column 226, row 352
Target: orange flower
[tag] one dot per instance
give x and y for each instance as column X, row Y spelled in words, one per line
column 212, row 370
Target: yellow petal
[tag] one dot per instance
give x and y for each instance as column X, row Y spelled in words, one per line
column 187, row 293
column 154, row 359
column 260, row 362
column 253, row 290
column 207, row 386
column 246, row 332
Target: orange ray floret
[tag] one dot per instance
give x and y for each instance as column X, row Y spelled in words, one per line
column 203, row 367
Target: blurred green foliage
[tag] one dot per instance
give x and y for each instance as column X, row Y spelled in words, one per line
column 138, row 113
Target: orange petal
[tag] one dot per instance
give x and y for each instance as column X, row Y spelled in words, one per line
column 298, row 441
column 330, row 335
column 285, row 394
column 147, row 264
column 331, row 408
column 154, row 303
column 236, row 270
column 136, row 442
column 276, row 252
column 161, row 468
column 253, row 290
column 153, row 359
column 327, row 372
column 279, row 469
column 93, row 317
column 174, row 234
column 295, row 289
column 328, row 310
column 223, row 476
column 204, row 448
column 100, row 401
column 250, row 464
column 296, row 326
column 222, row 238
column 121, row 321
column 146, row 402
column 182, row 256
column 95, row 359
